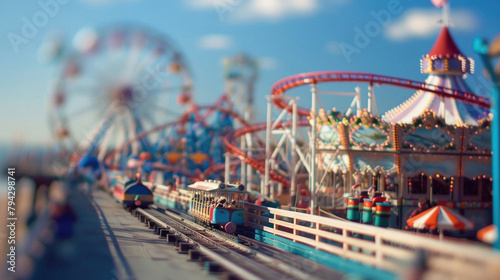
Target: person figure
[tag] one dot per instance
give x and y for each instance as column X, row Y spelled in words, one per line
column 212, row 204
column 304, row 198
column 221, row 202
column 64, row 218
column 423, row 205
column 89, row 177
column 259, row 201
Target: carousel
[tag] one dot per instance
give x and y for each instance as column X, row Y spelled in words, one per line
column 430, row 146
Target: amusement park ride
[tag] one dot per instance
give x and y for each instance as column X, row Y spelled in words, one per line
column 436, row 145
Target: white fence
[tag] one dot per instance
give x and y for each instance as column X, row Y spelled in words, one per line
column 383, row 248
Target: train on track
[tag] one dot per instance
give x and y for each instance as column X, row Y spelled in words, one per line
column 217, row 204
column 211, row 203
column 132, row 193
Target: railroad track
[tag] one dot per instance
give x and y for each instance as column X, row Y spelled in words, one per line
column 242, row 261
column 291, row 259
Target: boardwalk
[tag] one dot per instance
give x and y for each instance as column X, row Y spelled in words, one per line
column 111, row 244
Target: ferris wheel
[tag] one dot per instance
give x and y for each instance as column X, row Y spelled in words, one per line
column 115, row 83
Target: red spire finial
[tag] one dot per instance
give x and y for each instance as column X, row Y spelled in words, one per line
column 445, row 45
column 445, row 57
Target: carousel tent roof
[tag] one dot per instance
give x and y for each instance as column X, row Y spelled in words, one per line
column 453, row 111
column 445, row 45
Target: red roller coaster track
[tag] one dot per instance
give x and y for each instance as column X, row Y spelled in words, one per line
column 281, row 86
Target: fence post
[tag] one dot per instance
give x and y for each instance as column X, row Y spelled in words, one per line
column 317, row 230
column 379, row 258
column 294, row 230
column 345, row 245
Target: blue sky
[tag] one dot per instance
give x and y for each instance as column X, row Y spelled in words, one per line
column 286, row 36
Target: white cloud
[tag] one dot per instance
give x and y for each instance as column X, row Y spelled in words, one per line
column 215, row 42
column 273, row 10
column 421, row 23
column 254, row 10
column 267, row 63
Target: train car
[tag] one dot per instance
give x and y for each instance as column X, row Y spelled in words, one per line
column 133, row 194
column 217, row 204
column 167, row 196
column 119, row 185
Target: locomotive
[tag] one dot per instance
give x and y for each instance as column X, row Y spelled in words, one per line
column 133, row 193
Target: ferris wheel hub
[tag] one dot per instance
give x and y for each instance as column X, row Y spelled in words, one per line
column 124, row 95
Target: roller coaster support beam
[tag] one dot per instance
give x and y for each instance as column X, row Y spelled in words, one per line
column 481, row 48
column 286, row 147
column 312, row 143
column 243, row 169
column 249, row 146
column 264, row 189
column 372, row 103
column 227, row 166
column 293, row 179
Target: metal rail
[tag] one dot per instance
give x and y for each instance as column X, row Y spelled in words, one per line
column 239, row 259
column 270, row 253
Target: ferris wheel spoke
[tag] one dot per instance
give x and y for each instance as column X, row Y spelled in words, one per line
column 132, row 61
column 82, row 90
column 120, row 140
column 153, row 76
column 150, row 118
column 169, row 89
column 104, row 144
column 132, row 129
column 86, row 109
column 146, row 64
column 134, row 68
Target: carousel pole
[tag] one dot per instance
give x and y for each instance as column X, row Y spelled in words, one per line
column 481, row 48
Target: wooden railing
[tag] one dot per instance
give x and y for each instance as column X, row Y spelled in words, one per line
column 383, row 248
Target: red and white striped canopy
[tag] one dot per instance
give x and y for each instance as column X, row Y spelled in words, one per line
column 488, row 234
column 440, row 217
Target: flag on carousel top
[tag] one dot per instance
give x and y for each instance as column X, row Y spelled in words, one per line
column 438, row 3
